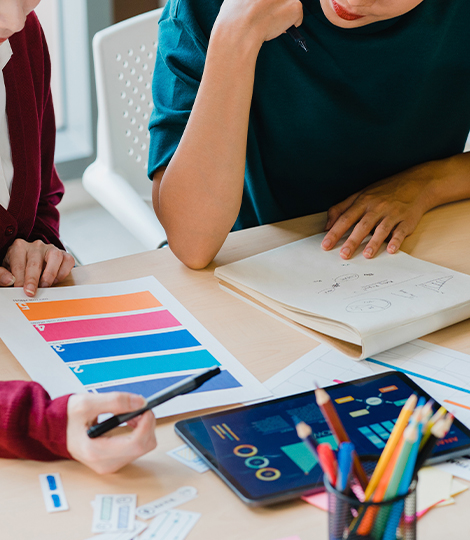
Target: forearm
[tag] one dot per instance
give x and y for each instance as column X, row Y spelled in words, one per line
column 199, row 195
column 32, row 426
column 449, row 180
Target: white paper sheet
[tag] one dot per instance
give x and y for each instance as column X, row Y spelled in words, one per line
column 379, row 302
column 131, row 336
column 442, row 372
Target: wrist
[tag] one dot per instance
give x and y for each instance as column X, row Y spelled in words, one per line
column 444, row 180
column 240, row 40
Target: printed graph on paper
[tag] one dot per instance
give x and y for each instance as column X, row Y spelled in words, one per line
column 130, row 336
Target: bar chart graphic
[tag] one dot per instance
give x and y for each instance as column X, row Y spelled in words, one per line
column 130, row 336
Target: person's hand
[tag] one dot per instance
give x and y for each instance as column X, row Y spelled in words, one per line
column 267, row 19
column 33, row 264
column 110, row 452
column 390, row 208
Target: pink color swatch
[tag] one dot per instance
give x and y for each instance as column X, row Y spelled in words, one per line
column 124, row 324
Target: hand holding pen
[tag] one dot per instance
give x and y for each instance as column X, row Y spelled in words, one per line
column 182, row 387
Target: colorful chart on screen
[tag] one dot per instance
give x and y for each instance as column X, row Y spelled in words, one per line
column 130, row 336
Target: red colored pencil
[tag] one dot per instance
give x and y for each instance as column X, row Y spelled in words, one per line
column 328, row 462
column 337, row 428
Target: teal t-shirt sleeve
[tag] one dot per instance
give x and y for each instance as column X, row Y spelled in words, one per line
column 178, row 71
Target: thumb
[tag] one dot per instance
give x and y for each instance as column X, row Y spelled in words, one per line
column 115, row 403
column 6, row 278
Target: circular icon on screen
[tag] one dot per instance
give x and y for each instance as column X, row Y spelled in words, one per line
column 268, row 474
column 245, row 450
column 256, row 462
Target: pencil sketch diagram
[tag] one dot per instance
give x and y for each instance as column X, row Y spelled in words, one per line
column 436, row 284
column 371, row 305
column 346, row 277
column 404, row 294
column 377, row 285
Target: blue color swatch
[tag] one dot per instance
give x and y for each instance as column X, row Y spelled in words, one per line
column 140, row 367
column 105, row 348
column 147, row 388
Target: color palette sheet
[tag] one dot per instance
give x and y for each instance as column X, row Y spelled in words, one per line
column 131, row 336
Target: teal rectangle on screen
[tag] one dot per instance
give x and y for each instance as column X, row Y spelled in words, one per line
column 139, row 367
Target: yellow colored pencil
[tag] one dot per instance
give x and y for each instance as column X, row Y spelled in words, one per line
column 440, row 413
column 392, row 442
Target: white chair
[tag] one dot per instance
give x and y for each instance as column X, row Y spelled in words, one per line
column 124, row 56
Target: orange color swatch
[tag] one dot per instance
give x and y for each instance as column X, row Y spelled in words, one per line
column 40, row 311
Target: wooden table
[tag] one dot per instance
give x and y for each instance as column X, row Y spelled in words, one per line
column 265, row 346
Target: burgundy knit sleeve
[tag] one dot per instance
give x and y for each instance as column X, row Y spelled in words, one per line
column 46, row 225
column 32, row 426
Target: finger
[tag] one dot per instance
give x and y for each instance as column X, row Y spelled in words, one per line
column 53, row 260
column 33, row 269
column 6, row 278
column 335, row 211
column 360, row 231
column 112, row 402
column 15, row 261
column 68, row 262
column 342, row 225
column 401, row 231
column 381, row 233
column 125, row 447
column 143, row 437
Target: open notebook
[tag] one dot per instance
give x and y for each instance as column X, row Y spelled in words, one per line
column 361, row 306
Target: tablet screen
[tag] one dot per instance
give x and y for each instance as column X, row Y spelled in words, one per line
column 257, row 452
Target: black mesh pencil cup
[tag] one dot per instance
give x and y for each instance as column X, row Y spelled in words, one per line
column 351, row 519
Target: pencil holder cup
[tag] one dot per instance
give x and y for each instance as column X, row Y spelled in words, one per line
column 349, row 518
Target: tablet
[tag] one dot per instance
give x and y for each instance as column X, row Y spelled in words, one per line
column 256, row 451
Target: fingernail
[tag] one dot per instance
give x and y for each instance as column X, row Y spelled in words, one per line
column 346, row 252
column 44, row 284
column 137, row 401
column 368, row 252
column 392, row 249
column 7, row 281
column 30, row 292
column 326, row 243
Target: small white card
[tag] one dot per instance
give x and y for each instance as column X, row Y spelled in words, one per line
column 458, row 467
column 171, row 525
column 139, row 527
column 163, row 504
column 114, row 513
column 53, row 492
column 186, row 455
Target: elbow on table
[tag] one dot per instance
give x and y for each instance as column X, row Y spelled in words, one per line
column 194, row 255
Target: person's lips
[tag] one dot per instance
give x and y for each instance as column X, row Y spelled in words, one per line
column 346, row 15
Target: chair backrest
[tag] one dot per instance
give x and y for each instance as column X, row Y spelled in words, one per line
column 124, row 56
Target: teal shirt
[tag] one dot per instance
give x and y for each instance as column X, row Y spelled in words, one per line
column 361, row 105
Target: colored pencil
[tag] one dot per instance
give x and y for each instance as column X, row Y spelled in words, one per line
column 405, row 482
column 410, row 437
column 392, row 442
column 365, row 520
column 438, row 431
column 440, row 413
column 328, row 462
column 304, row 431
column 331, row 416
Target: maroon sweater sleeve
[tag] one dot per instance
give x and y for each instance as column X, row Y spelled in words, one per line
column 36, row 189
column 46, row 225
column 32, row 426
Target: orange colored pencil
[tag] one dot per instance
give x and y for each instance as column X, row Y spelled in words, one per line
column 337, row 428
column 368, row 518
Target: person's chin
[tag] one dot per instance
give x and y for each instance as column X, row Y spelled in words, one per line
column 338, row 16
